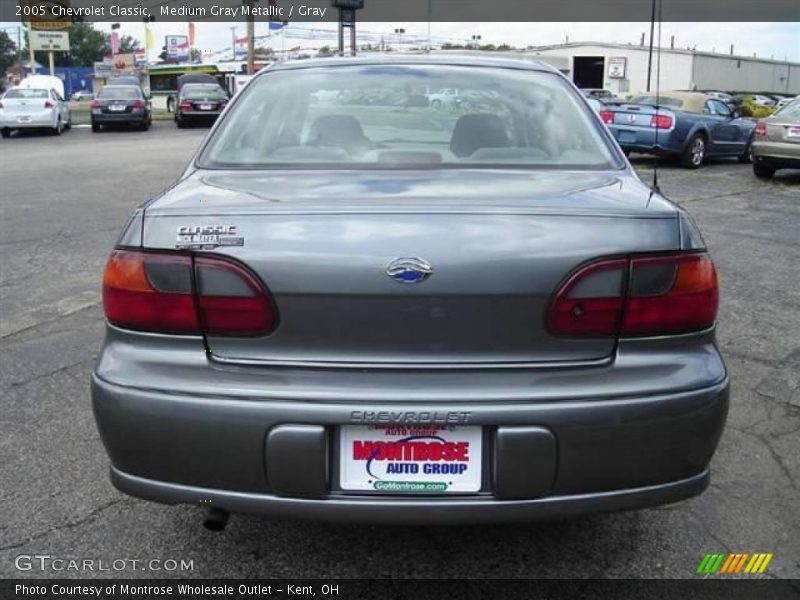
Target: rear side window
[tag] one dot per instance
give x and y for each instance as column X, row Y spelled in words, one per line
column 23, row 94
column 408, row 116
column 119, row 93
column 791, row 110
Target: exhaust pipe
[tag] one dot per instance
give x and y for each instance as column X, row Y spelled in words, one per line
column 216, row 519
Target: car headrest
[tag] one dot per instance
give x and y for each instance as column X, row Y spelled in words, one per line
column 343, row 131
column 478, row 131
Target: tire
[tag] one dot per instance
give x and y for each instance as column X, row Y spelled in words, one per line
column 180, row 123
column 68, row 126
column 694, row 153
column 763, row 171
column 5, row 132
column 59, row 128
column 95, row 128
column 436, row 104
column 145, row 125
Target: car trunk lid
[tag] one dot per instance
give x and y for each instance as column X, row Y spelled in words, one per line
column 499, row 244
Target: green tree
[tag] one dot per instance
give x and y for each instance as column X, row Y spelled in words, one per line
column 195, row 55
column 8, row 52
column 326, row 51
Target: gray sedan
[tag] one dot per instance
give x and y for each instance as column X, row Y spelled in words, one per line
column 388, row 313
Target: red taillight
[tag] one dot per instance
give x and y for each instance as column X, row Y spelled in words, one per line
column 661, row 121
column 686, row 301
column 761, row 128
column 138, row 104
column 607, row 116
column 159, row 292
column 95, row 104
column 48, row 104
column 597, row 313
column 186, row 106
column 635, row 297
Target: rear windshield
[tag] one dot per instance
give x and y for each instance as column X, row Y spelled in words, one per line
column 660, row 101
column 195, row 90
column 791, row 110
column 409, row 116
column 118, row 92
column 21, row 93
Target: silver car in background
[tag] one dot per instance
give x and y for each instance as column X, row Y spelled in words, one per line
column 33, row 108
column 390, row 313
column 776, row 141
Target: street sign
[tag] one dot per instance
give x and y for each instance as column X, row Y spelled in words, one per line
column 50, row 41
column 103, row 70
column 616, row 67
column 177, row 47
column 46, row 15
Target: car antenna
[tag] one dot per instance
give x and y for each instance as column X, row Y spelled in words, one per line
column 653, row 16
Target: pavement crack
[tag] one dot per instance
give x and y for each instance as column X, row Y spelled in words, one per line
column 47, row 374
column 70, row 525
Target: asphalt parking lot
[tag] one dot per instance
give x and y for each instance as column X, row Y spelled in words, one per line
column 64, row 200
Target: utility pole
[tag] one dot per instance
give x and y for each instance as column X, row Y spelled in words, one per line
column 251, row 42
column 30, row 48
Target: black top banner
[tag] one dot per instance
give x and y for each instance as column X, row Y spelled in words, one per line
column 401, row 10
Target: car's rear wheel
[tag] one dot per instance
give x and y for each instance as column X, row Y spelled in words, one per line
column 95, row 128
column 694, row 153
column 763, row 171
column 59, row 128
column 436, row 104
column 180, row 123
column 145, row 125
column 5, row 132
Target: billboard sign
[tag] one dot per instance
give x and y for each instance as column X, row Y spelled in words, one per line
column 46, row 15
column 177, row 47
column 50, row 41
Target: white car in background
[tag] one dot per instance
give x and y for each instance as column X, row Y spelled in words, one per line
column 33, row 108
column 784, row 101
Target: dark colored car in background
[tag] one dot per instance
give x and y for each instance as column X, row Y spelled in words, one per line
column 121, row 105
column 689, row 125
column 200, row 103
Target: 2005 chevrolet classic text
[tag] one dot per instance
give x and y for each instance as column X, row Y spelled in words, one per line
column 353, row 306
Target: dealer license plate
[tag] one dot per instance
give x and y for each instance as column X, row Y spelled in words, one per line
column 205, row 107
column 421, row 459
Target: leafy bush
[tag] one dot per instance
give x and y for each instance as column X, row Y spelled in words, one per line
column 749, row 109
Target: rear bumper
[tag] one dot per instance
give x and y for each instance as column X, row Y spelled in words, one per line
column 36, row 121
column 780, row 155
column 609, row 454
column 409, row 511
column 104, row 119
column 200, row 115
column 636, row 139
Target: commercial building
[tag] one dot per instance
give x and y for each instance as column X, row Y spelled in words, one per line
column 622, row 68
